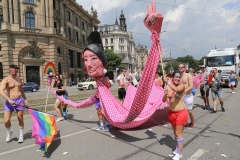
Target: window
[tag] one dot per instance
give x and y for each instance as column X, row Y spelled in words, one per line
column 59, row 68
column 83, row 25
column 76, row 21
column 69, row 33
column 59, row 50
column 30, row 20
column 1, row 18
column 76, row 38
column 29, row 1
column 111, row 40
column 121, row 48
column 106, row 41
column 79, row 60
column 70, row 53
column 83, row 40
column 221, row 61
column 111, row 48
column 68, row 16
column 121, row 40
column 54, row 4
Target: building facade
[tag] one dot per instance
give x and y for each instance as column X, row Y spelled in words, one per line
column 35, row 32
column 117, row 38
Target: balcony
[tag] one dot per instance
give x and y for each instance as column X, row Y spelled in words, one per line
column 122, row 52
column 30, row 29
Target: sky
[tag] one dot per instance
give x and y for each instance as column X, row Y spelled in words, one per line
column 190, row 27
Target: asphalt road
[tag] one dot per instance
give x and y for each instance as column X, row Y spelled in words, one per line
column 214, row 137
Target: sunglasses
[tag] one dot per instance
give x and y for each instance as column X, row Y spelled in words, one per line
column 14, row 69
column 124, row 71
column 181, row 66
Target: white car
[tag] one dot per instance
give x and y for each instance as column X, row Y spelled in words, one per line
column 88, row 84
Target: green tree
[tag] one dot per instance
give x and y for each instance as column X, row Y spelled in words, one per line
column 238, row 47
column 174, row 64
column 114, row 61
column 200, row 61
column 190, row 60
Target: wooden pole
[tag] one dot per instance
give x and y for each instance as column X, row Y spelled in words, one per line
column 160, row 58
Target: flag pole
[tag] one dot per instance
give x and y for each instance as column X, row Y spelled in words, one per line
column 160, row 57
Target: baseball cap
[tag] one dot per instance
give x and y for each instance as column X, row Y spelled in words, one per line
column 202, row 66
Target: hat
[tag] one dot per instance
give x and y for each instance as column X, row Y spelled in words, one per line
column 202, row 66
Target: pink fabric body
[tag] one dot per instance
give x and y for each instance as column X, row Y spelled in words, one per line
column 198, row 80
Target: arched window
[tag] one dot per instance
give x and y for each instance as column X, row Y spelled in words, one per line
column 1, row 71
column 59, row 50
column 30, row 20
column 69, row 33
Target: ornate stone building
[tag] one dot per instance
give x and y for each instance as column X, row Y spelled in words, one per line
column 117, row 38
column 35, row 32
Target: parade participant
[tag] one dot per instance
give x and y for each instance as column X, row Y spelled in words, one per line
column 15, row 100
column 187, row 81
column 132, row 77
column 103, row 123
column 204, row 88
column 177, row 114
column 232, row 80
column 60, row 90
column 216, row 89
column 122, row 83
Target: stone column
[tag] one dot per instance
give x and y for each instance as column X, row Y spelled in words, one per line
column 5, row 10
column 10, row 11
column 62, row 16
column 51, row 16
column 16, row 12
column 47, row 12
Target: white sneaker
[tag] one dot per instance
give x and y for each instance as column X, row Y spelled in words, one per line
column 20, row 139
column 177, row 157
column 233, row 92
column 175, row 151
column 99, row 128
column 59, row 119
column 8, row 137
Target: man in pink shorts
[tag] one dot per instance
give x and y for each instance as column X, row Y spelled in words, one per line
column 15, row 100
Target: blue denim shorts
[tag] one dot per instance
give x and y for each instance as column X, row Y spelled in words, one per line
column 217, row 93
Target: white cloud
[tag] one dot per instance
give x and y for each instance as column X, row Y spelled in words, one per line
column 138, row 15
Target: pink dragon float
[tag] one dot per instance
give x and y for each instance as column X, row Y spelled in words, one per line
column 141, row 102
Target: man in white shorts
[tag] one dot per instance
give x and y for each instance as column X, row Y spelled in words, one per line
column 186, row 79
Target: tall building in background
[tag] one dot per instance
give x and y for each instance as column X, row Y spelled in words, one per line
column 35, row 32
column 117, row 38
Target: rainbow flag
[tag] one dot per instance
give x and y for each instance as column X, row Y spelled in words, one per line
column 44, row 128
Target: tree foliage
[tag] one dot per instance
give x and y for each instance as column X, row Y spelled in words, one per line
column 174, row 64
column 238, row 47
column 190, row 60
column 114, row 61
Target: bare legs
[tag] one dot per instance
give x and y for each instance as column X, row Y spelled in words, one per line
column 177, row 130
column 57, row 107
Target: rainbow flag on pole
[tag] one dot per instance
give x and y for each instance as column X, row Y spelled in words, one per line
column 44, row 128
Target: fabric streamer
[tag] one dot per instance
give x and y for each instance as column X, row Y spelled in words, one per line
column 198, row 80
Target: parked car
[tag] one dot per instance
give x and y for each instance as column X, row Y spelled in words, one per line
column 30, row 86
column 88, row 84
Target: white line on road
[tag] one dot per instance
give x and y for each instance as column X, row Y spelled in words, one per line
column 33, row 145
column 197, row 154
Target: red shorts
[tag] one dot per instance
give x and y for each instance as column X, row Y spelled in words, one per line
column 178, row 118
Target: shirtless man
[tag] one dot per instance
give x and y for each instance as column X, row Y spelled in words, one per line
column 122, row 82
column 187, row 81
column 15, row 99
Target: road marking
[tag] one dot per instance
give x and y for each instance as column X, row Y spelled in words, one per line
column 197, row 154
column 33, row 145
